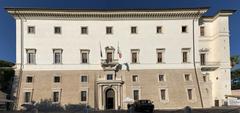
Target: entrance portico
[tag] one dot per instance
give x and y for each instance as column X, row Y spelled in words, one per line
column 109, row 94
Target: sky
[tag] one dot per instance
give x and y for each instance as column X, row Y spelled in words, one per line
column 7, row 23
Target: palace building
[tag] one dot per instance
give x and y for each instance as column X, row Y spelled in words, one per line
column 174, row 57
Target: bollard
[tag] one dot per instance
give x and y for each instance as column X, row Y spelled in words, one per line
column 187, row 109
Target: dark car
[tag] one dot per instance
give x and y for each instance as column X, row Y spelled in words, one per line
column 142, row 106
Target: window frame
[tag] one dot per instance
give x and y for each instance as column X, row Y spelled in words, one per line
column 29, row 31
column 184, row 27
column 55, row 51
column 54, row 80
column 189, row 75
column 134, row 30
column 159, row 28
column 166, row 100
column 137, row 52
column 55, row 30
column 138, row 94
column 109, row 28
column 31, row 52
column 58, row 96
column 188, row 59
column 82, row 80
column 135, row 78
column 202, row 31
column 162, row 51
column 84, row 51
column 28, row 79
column 86, row 30
column 82, row 99
column 29, row 99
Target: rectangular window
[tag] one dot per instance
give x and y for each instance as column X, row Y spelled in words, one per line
column 85, row 56
column 31, row 30
column 204, row 78
column 202, row 31
column 187, row 77
column 109, row 77
column 84, row 79
column 163, row 94
column 159, row 29
column 56, row 96
column 57, row 55
column 189, row 91
column 109, row 30
column 135, row 78
column 203, row 58
column 84, row 30
column 57, row 79
column 57, row 30
column 161, row 78
column 184, row 29
column 160, row 54
column 83, row 95
column 133, row 30
column 109, row 56
column 185, row 55
column 29, row 79
column 31, row 56
column 135, row 54
column 27, row 97
column 136, row 94
column 160, row 59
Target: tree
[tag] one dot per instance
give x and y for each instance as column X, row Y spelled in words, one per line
column 235, row 60
column 6, row 75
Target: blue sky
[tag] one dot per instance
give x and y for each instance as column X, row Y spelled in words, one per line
column 7, row 23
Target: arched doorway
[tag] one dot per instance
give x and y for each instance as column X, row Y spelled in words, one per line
column 110, row 97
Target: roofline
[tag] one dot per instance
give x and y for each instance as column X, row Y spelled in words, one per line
column 103, row 9
column 225, row 12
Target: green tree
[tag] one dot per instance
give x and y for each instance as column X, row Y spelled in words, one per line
column 235, row 60
column 6, row 75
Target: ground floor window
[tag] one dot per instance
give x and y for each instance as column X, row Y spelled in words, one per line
column 27, row 97
column 83, row 95
column 136, row 94
column 56, row 96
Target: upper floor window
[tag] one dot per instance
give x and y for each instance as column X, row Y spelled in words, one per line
column 29, row 79
column 85, row 56
column 135, row 55
column 135, row 78
column 161, row 77
column 109, row 30
column 185, row 55
column 27, row 97
column 31, row 56
column 203, row 58
column 134, row 30
column 31, row 29
column 184, row 29
column 202, row 31
column 84, row 78
column 204, row 78
column 57, row 56
column 56, row 96
column 159, row 29
column 160, row 54
column 57, row 30
column 110, row 54
column 84, row 30
column 109, row 76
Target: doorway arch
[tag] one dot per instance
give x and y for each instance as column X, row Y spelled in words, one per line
column 110, row 99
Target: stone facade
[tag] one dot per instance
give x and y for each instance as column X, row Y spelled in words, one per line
column 177, row 57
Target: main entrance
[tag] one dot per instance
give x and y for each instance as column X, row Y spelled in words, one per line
column 110, row 99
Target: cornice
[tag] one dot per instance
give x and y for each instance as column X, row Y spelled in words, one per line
column 29, row 13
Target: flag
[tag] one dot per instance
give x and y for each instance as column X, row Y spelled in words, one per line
column 127, row 66
column 100, row 50
column 119, row 52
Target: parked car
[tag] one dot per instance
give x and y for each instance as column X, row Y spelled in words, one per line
column 142, row 106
